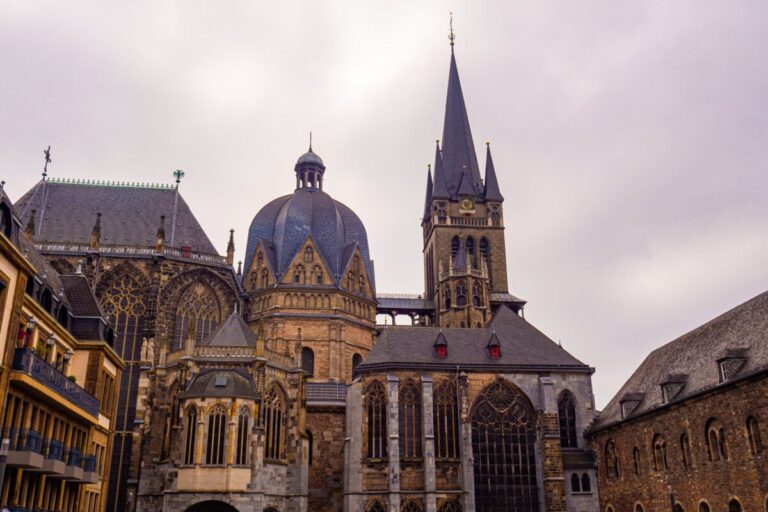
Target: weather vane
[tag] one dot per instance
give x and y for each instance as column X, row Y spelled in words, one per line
column 178, row 174
column 451, row 36
column 47, row 161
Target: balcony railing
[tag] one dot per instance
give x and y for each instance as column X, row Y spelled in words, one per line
column 89, row 463
column 25, row 440
column 131, row 250
column 26, row 361
column 74, row 457
column 54, row 450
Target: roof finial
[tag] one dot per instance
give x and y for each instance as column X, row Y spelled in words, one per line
column 310, row 141
column 178, row 174
column 47, row 161
column 451, row 36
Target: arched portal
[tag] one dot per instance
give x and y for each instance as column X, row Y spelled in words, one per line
column 503, row 446
column 211, row 506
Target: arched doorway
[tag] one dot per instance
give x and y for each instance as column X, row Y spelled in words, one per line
column 503, row 446
column 211, row 506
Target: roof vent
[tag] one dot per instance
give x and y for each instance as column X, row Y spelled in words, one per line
column 494, row 347
column 441, row 346
column 221, row 381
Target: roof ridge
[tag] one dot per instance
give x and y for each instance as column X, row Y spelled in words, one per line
column 107, row 183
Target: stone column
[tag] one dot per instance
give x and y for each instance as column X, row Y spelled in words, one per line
column 552, row 459
column 429, row 444
column 393, row 450
column 353, row 449
column 467, row 459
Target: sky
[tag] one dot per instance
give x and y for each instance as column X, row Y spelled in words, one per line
column 629, row 138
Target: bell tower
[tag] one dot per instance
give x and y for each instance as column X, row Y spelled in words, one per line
column 465, row 271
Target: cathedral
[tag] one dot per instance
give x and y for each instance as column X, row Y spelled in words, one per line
column 271, row 387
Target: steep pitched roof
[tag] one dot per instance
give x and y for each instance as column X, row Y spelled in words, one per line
column 522, row 346
column 222, row 383
column 428, row 198
column 234, row 332
column 440, row 190
column 458, row 147
column 130, row 214
column 693, row 360
column 491, row 192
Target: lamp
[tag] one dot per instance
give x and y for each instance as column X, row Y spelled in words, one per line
column 30, row 328
column 68, row 355
column 50, row 341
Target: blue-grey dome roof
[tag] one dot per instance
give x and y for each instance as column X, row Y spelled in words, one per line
column 285, row 223
column 310, row 157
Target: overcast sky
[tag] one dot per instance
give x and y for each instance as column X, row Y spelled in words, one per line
column 629, row 137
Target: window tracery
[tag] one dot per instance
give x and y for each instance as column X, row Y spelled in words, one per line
column 191, row 438
column 274, row 423
column 264, row 278
column 308, row 255
column 715, row 435
column 411, row 506
column 612, row 467
column 308, row 361
column 447, row 297
column 461, row 294
column 446, row 419
column 450, row 506
column 410, row 421
column 197, row 314
column 243, row 424
column 566, row 415
column 375, row 506
column 217, row 422
column 659, row 453
column 376, row 406
column 125, row 304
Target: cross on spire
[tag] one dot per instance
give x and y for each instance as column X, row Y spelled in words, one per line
column 178, row 174
column 47, row 161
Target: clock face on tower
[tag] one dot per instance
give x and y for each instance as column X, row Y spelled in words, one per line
column 467, row 204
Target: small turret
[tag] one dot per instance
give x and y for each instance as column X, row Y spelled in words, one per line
column 231, row 248
column 96, row 233
column 160, row 243
column 29, row 231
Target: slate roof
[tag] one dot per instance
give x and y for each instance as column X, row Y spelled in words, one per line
column 693, row 358
column 82, row 301
column 130, row 215
column 284, row 224
column 522, row 347
column 45, row 272
column 492, row 192
column 231, row 383
column 234, row 332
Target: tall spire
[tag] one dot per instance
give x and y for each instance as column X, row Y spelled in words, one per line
column 428, row 198
column 459, row 155
column 440, row 188
column 231, row 247
column 492, row 192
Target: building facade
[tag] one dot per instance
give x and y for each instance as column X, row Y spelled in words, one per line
column 271, row 388
column 686, row 431
column 58, row 383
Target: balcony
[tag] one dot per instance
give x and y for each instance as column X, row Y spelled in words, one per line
column 26, row 450
column 29, row 363
column 30, row 452
column 54, row 464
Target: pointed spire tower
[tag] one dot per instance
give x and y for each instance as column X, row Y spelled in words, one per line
column 465, row 271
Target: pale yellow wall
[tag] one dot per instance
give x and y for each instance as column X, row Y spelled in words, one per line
column 7, row 268
column 219, row 479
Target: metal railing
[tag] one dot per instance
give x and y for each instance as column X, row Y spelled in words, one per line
column 326, row 392
column 54, row 450
column 26, row 361
column 130, row 250
column 89, row 463
column 25, row 440
column 74, row 457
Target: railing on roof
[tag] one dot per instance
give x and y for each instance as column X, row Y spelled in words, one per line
column 466, row 271
column 278, row 358
column 104, row 183
column 29, row 363
column 326, row 392
column 130, row 250
column 399, row 296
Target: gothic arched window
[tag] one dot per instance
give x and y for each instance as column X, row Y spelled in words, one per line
column 264, row 278
column 299, row 275
column 450, row 506
column 476, row 293
column 243, row 430
column 217, row 426
column 318, row 273
column 566, row 415
column 350, row 281
column 191, row 437
column 470, row 246
column 586, row 483
column 461, row 294
column 411, row 506
column 715, row 440
column 575, row 483
column 356, row 360
column 484, row 249
column 124, row 303
column 308, row 361
column 685, row 449
column 612, row 467
column 375, row 506
column 446, row 418
column 659, row 453
column 274, row 423
column 259, row 259
column 447, row 297
column 308, row 255
column 636, row 460
column 504, row 422
column 410, row 421
column 455, row 242
column 197, row 314
column 361, row 284
column 376, row 407
column 753, row 433
column 734, row 505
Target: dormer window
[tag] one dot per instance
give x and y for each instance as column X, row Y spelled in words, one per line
column 672, row 387
column 441, row 346
column 729, row 367
column 630, row 403
column 494, row 347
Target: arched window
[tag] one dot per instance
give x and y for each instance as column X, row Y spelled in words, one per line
column 446, row 419
column 259, row 259
column 715, row 440
column 476, row 293
column 566, row 415
column 311, row 446
column 356, row 264
column 197, row 314
column 636, row 460
column 612, row 467
column 447, row 297
column 299, row 275
column 361, row 285
column 455, row 242
column 411, row 506
column 410, row 421
column 504, row 422
column 753, row 432
column 685, row 449
column 308, row 361
column 375, row 506
column 450, row 506
column 659, row 454
column 586, row 483
column 274, row 424
column 318, row 272
column 470, row 246
column 217, row 425
column 46, row 299
column 484, row 249
column 264, row 278
column 461, row 294
column 639, row 508
column 350, row 281
column 704, row 507
column 678, row 508
column 575, row 483
column 376, row 406
column 734, row 505
column 356, row 360
column 243, row 429
column 124, row 303
column 191, row 437
column 308, row 255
